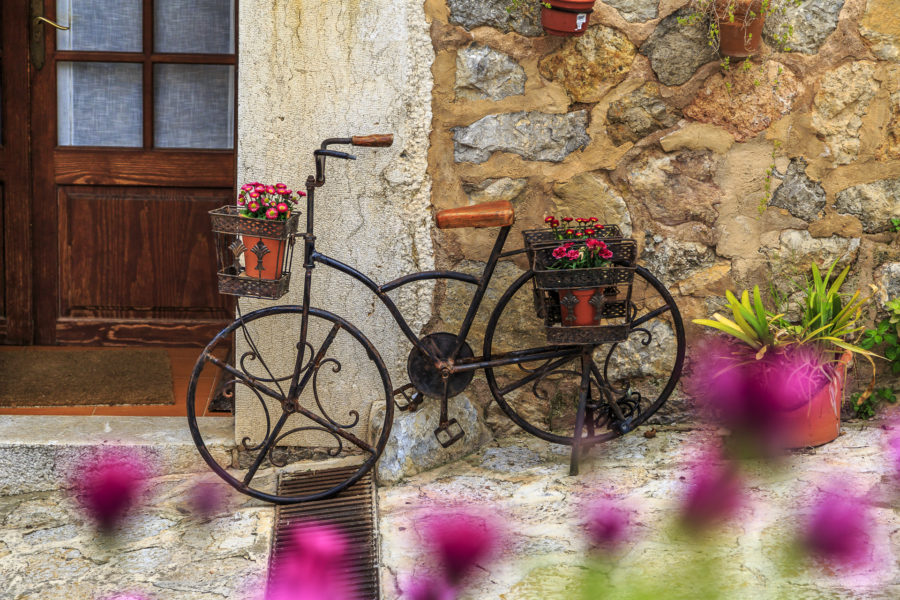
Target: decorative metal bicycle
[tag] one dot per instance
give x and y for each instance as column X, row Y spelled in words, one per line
column 578, row 386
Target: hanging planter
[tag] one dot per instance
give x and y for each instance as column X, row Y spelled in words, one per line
column 566, row 18
column 740, row 28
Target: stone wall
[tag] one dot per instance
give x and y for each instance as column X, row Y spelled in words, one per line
column 638, row 123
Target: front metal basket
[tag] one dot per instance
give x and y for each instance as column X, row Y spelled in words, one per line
column 232, row 230
column 612, row 322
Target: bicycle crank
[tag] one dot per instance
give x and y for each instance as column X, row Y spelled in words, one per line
column 425, row 373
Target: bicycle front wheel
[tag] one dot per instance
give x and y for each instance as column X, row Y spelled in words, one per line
column 629, row 380
column 339, row 377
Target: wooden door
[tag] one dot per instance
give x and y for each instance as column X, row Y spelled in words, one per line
column 132, row 121
column 15, row 240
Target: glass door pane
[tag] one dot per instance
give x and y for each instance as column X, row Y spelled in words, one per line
column 99, row 104
column 193, row 106
column 107, row 25
column 193, row 26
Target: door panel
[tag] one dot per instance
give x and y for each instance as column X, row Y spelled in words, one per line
column 16, row 318
column 117, row 244
column 132, row 147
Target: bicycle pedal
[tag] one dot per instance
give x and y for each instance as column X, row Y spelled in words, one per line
column 445, row 437
column 412, row 401
column 623, row 427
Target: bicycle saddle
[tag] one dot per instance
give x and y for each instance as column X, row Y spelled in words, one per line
column 487, row 214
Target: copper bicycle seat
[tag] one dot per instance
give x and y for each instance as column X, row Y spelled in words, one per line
column 487, row 214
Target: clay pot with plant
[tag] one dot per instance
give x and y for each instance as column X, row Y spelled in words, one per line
column 735, row 26
column 264, row 252
column 780, row 379
column 567, row 18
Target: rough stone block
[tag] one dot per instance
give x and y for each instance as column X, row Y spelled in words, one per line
column 484, row 73
column 800, row 195
column 880, row 25
column 639, row 114
column 676, row 51
column 838, row 107
column 493, row 13
column 590, row 65
column 532, row 135
column 874, row 204
column 811, row 22
column 635, row 10
column 413, row 447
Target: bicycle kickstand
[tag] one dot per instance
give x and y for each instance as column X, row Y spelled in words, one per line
column 443, row 433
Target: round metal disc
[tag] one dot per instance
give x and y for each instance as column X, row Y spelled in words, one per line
column 426, row 377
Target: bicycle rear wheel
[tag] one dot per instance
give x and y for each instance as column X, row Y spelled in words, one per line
column 629, row 381
column 338, row 364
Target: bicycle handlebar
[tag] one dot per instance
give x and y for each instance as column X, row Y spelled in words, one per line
column 377, row 140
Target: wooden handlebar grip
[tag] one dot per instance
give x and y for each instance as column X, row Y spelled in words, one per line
column 376, row 140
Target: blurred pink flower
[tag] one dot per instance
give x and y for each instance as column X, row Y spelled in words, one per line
column 253, row 206
column 607, row 525
column 839, row 530
column 713, row 495
column 749, row 395
column 280, row 186
column 573, row 254
column 272, row 213
column 208, row 498
column 425, row 588
column 460, row 541
column 246, row 187
column 254, row 195
column 314, row 566
column 109, row 484
column 282, row 207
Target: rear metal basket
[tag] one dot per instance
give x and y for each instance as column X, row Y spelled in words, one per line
column 230, row 228
column 612, row 323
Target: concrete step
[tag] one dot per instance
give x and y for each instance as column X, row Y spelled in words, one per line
column 37, row 452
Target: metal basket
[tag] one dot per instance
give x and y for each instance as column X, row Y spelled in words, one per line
column 234, row 279
column 612, row 322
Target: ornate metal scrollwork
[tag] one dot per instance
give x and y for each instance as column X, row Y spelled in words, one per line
column 246, row 440
column 315, row 383
column 332, row 452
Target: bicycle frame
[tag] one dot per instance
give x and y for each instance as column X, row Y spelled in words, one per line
column 448, row 365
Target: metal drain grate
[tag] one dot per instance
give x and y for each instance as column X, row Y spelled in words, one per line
column 352, row 511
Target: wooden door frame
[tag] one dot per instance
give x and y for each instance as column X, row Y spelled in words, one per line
column 53, row 165
column 18, row 326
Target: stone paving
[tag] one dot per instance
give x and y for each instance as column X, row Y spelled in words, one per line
column 48, row 551
column 524, row 483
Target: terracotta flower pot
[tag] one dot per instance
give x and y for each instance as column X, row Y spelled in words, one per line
column 264, row 257
column 581, row 308
column 818, row 421
column 567, row 17
column 742, row 37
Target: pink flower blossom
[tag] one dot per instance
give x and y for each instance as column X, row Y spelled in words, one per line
column 425, row 588
column 254, row 195
column 607, row 525
column 259, row 188
column 594, row 220
column 270, row 189
column 280, row 186
column 246, row 187
column 272, row 213
column 594, row 243
column 299, row 194
column 606, row 253
column 282, row 207
column 549, row 219
column 460, row 541
column 589, row 231
column 573, row 254
column 567, row 219
column 559, row 252
column 242, row 201
column 570, row 231
column 713, row 495
column 839, row 530
column 313, row 567
column 108, row 484
column 253, row 206
column 208, row 498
